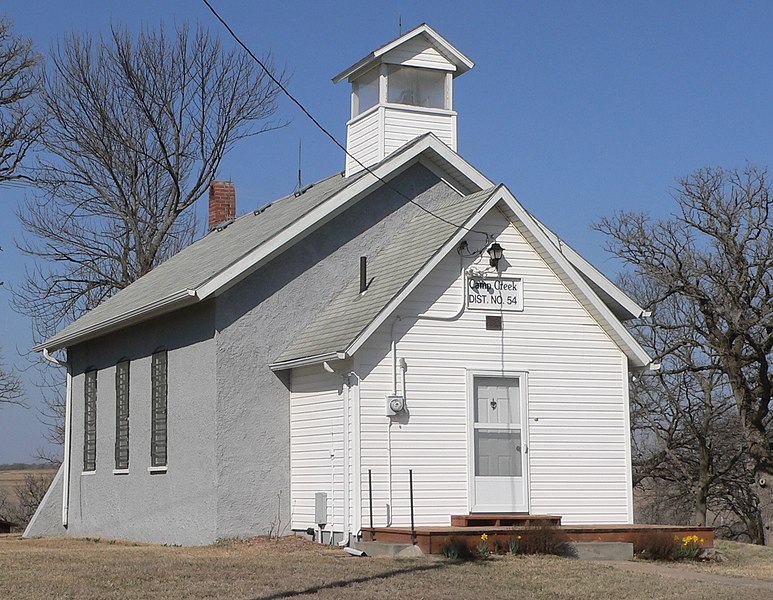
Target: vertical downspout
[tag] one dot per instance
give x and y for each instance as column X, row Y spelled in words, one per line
column 357, row 458
column 347, row 398
column 66, row 459
column 347, row 459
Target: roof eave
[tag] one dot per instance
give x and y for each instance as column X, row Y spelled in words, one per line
column 169, row 303
column 614, row 328
column 307, row 361
column 624, row 301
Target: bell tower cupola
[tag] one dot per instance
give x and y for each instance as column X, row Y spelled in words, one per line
column 400, row 91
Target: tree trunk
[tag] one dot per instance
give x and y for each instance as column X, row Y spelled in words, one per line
column 699, row 512
column 763, row 488
column 704, row 478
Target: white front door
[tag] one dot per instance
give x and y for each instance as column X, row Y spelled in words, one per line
column 498, row 445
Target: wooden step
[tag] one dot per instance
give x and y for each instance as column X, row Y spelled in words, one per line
column 503, row 520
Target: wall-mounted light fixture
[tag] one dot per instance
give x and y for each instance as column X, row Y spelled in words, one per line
column 495, row 254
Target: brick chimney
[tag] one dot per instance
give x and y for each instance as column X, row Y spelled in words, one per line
column 222, row 203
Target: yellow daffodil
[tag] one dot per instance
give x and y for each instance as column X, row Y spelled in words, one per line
column 484, row 537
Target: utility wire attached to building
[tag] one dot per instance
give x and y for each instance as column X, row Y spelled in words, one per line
column 319, row 125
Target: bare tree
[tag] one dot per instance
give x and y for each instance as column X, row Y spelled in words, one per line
column 20, row 507
column 19, row 129
column 19, row 124
column 716, row 253
column 7, row 509
column 29, row 495
column 136, row 130
column 685, row 430
column 10, row 386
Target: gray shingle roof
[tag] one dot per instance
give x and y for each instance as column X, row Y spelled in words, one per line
column 199, row 262
column 391, row 270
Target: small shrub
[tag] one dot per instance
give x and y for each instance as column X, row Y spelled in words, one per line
column 500, row 547
column 655, row 545
column 514, row 547
column 545, row 539
column 457, row 549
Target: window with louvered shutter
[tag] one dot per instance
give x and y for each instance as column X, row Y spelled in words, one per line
column 90, row 421
column 122, row 415
column 158, row 429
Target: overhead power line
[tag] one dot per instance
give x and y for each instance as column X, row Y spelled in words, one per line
column 322, row 128
column 14, row 184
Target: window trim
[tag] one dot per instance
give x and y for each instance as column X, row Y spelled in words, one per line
column 159, row 392
column 120, row 466
column 90, row 420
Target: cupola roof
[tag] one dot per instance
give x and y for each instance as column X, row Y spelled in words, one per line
column 393, row 52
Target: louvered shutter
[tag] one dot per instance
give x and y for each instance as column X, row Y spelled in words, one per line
column 122, row 415
column 90, row 421
column 158, row 433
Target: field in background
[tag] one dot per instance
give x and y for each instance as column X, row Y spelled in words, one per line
column 10, row 479
column 31, row 481
column 260, row 569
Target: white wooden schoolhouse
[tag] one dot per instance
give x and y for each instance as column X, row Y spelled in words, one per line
column 288, row 370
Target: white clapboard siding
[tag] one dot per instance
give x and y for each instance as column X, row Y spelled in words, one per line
column 418, row 52
column 402, row 124
column 364, row 140
column 316, row 446
column 577, row 426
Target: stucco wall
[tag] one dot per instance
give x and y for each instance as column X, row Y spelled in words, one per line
column 178, row 506
column 257, row 319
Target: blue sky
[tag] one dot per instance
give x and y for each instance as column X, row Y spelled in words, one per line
column 580, row 108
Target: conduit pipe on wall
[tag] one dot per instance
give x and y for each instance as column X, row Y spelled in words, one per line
column 67, row 427
column 404, row 368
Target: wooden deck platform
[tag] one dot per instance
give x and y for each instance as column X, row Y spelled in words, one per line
column 431, row 540
column 503, row 520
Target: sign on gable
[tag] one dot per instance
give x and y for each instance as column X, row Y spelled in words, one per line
column 494, row 293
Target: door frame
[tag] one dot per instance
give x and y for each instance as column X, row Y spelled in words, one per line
column 523, row 379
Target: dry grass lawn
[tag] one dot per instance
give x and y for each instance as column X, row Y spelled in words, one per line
column 743, row 560
column 292, row 568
